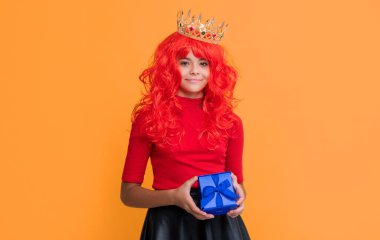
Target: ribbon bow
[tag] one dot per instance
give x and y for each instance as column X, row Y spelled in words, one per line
column 209, row 192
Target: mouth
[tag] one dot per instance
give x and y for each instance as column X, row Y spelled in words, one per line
column 194, row 80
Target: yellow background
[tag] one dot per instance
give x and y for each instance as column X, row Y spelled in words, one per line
column 309, row 83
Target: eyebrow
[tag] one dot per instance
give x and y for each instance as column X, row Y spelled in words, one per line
column 185, row 58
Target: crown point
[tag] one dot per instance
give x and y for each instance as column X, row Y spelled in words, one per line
column 193, row 19
column 225, row 28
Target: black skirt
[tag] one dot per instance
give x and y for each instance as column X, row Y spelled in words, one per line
column 174, row 223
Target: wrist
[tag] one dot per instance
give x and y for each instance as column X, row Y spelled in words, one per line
column 172, row 197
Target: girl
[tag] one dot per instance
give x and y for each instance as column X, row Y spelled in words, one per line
column 185, row 125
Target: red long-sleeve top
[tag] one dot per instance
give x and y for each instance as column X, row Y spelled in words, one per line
column 191, row 158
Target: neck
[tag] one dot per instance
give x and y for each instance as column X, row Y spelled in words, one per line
column 193, row 96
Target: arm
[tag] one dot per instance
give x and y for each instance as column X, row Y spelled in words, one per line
column 234, row 163
column 234, row 153
column 133, row 195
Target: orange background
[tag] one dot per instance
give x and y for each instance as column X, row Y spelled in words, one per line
column 309, row 79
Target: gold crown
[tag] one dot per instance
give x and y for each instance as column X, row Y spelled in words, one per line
column 193, row 28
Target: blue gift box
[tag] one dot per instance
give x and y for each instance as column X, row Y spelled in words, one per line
column 217, row 193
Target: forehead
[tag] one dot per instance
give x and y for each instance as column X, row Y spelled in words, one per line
column 191, row 52
column 191, row 56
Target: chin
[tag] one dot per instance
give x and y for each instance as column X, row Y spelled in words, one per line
column 195, row 91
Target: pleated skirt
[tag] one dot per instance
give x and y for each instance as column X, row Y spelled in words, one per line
column 174, row 223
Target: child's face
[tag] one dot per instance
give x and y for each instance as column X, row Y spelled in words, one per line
column 194, row 76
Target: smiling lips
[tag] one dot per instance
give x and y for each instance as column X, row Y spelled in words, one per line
column 194, row 80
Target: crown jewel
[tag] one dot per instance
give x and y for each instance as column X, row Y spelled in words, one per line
column 193, row 27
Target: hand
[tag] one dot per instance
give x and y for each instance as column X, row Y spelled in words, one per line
column 183, row 200
column 240, row 192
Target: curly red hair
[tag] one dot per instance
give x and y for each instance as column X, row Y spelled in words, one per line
column 159, row 105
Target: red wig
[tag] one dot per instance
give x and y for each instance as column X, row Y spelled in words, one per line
column 159, row 105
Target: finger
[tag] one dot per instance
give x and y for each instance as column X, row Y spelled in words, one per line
column 201, row 216
column 234, row 178
column 234, row 181
column 240, row 201
column 193, row 207
column 231, row 215
column 236, row 212
column 192, row 180
column 196, row 215
column 240, row 191
column 198, row 211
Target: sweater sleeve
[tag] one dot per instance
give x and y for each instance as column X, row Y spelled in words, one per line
column 139, row 149
column 234, row 158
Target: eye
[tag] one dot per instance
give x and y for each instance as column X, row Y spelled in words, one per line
column 184, row 63
column 204, row 64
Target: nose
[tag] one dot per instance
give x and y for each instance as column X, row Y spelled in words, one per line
column 194, row 69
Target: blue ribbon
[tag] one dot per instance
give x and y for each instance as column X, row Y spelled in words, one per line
column 209, row 192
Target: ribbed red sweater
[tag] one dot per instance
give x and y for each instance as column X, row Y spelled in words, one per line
column 172, row 169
